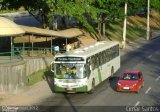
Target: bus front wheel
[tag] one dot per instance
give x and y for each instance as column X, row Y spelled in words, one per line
column 112, row 71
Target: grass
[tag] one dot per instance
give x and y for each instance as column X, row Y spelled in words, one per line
column 6, row 11
column 38, row 76
column 35, row 77
column 12, row 10
column 136, row 27
column 115, row 32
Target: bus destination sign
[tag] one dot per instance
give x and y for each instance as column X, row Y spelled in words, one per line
column 69, row 59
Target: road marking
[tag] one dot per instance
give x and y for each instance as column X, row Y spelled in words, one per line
column 158, row 78
column 149, row 56
column 138, row 102
column 148, row 90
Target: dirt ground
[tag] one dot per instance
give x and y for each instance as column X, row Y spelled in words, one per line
column 28, row 96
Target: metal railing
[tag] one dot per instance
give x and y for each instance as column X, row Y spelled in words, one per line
column 36, row 51
column 13, row 56
column 18, row 53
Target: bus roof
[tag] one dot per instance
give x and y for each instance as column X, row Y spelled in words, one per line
column 89, row 50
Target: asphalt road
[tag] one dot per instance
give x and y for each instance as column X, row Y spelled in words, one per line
column 27, row 21
column 146, row 59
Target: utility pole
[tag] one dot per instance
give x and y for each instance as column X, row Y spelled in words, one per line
column 124, row 27
column 148, row 26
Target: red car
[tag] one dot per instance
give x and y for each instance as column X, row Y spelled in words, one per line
column 130, row 81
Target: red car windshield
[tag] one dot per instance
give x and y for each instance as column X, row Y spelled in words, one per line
column 129, row 76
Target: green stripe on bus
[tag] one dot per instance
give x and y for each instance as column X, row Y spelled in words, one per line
column 99, row 75
column 59, row 89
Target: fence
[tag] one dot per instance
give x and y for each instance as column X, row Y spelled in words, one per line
column 13, row 56
column 36, row 51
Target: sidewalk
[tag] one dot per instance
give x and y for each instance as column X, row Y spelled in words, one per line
column 41, row 90
column 29, row 96
column 139, row 43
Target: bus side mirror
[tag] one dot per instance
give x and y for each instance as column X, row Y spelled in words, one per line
column 52, row 71
column 90, row 67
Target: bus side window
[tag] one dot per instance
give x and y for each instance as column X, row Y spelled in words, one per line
column 97, row 60
column 93, row 62
column 107, row 55
column 87, row 70
column 101, row 58
column 104, row 57
column 96, row 63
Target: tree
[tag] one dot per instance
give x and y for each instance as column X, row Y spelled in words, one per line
column 79, row 9
column 155, row 4
column 84, row 11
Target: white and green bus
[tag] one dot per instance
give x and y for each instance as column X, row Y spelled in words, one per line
column 82, row 69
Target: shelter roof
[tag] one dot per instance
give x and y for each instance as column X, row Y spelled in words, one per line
column 68, row 33
column 9, row 28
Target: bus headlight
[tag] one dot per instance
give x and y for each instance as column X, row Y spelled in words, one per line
column 56, row 81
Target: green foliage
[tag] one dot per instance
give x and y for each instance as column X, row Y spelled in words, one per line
column 155, row 4
column 39, row 76
column 81, row 10
column 115, row 29
column 7, row 11
column 36, row 77
column 74, row 8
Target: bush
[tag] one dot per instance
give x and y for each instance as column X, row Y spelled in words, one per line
column 36, row 77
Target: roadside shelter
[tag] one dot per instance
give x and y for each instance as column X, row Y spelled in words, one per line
column 9, row 29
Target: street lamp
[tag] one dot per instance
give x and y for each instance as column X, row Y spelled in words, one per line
column 124, row 27
column 148, row 26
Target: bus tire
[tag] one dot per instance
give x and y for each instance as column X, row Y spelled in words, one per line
column 112, row 71
column 93, row 87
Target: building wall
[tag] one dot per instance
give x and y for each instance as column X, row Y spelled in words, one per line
column 13, row 76
column 36, row 64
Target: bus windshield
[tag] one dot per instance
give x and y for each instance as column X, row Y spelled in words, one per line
column 69, row 70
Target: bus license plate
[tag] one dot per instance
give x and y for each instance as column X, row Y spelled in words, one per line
column 69, row 88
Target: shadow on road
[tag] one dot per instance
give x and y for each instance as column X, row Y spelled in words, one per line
column 113, row 82
column 50, row 79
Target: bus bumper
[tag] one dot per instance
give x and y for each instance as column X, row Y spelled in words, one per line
column 72, row 90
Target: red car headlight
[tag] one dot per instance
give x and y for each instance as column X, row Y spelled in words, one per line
column 134, row 84
column 119, row 84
